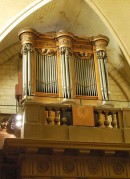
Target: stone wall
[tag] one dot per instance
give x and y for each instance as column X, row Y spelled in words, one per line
column 8, row 80
column 116, row 94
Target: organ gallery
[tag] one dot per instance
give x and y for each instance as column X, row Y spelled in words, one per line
column 66, row 131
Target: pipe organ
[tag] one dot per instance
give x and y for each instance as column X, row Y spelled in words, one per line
column 60, row 64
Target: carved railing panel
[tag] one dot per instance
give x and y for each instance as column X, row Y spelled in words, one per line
column 63, row 115
column 107, row 118
column 59, row 115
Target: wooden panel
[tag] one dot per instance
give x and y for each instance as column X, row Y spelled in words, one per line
column 126, row 115
column 83, row 115
column 41, row 166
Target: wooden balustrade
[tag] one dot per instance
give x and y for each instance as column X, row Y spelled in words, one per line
column 106, row 117
column 62, row 115
column 59, row 115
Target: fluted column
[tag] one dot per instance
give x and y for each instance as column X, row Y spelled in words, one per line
column 65, row 47
column 101, row 43
column 27, row 37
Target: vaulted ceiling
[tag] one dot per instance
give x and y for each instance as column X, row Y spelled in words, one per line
column 77, row 17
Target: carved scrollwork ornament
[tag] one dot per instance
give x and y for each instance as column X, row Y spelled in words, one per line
column 26, row 48
column 83, row 55
column 67, row 51
column 49, row 52
column 101, row 54
column 118, row 168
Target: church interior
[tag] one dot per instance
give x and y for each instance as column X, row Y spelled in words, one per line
column 64, row 89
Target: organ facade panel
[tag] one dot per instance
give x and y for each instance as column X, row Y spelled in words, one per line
column 60, row 64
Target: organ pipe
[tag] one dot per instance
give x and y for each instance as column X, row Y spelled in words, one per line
column 85, row 77
column 103, row 74
column 100, row 43
column 46, row 73
column 65, row 49
column 66, row 71
column 24, row 71
column 27, row 37
column 29, row 70
column 26, row 67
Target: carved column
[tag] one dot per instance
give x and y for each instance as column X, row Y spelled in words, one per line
column 27, row 37
column 65, row 47
column 101, row 43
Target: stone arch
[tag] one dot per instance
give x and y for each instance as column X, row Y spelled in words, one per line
column 109, row 26
column 21, row 16
column 37, row 4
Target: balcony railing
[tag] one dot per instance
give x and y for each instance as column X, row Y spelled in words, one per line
column 63, row 115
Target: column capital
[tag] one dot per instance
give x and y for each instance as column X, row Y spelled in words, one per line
column 100, row 42
column 27, row 35
column 65, row 38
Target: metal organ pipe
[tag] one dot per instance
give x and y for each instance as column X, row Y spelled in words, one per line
column 80, row 88
column 101, row 43
column 39, row 71
column 106, row 77
column 101, row 78
column 65, row 47
column 85, row 76
column 70, row 76
column 94, row 79
column 27, row 37
column 29, row 69
column 87, row 65
column 63, row 73
column 67, row 73
column 24, row 72
column 46, row 73
column 51, row 69
column 103, row 74
column 53, row 77
column 27, row 81
column 77, row 75
column 47, row 65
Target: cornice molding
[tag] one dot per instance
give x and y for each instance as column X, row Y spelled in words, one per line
column 54, row 144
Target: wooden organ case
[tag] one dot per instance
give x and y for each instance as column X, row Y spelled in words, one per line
column 60, row 64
